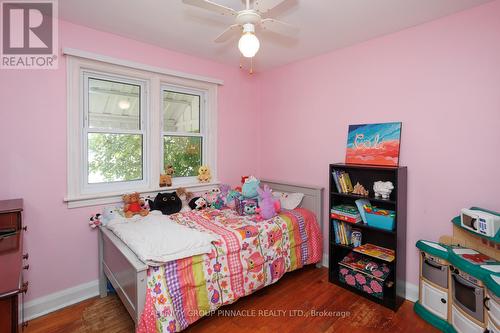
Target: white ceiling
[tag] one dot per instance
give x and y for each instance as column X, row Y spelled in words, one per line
column 325, row 25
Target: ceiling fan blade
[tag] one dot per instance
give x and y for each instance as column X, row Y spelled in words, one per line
column 263, row 6
column 211, row 6
column 230, row 32
column 279, row 27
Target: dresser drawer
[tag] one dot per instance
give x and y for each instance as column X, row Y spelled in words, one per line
column 9, row 221
column 6, row 315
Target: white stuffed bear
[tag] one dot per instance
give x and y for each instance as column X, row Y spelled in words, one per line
column 382, row 189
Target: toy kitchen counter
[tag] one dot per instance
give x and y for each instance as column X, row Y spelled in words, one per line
column 459, row 287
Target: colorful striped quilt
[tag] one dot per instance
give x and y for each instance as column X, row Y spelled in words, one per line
column 249, row 255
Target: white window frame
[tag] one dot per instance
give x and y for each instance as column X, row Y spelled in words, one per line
column 204, row 125
column 154, row 79
column 88, row 188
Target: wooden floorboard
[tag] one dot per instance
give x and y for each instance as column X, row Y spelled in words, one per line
column 300, row 293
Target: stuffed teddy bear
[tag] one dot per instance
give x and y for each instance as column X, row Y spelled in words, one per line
column 204, row 175
column 166, row 178
column 167, row 203
column 133, row 204
column 198, row 203
column 185, row 197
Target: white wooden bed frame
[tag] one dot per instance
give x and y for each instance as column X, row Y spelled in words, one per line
column 127, row 273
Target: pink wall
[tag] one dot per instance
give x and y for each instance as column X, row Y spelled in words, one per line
column 33, row 150
column 441, row 79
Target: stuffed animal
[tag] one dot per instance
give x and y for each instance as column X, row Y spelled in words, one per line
column 243, row 179
column 231, row 197
column 133, row 204
column 224, row 191
column 204, row 175
column 166, row 178
column 249, row 188
column 211, row 196
column 198, row 203
column 246, row 206
column 95, row 221
column 167, row 203
column 185, row 197
column 268, row 206
column 383, row 189
column 109, row 213
column 250, row 207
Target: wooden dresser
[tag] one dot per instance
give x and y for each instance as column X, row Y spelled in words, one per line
column 12, row 285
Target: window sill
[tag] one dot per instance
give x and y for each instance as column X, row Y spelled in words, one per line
column 116, row 197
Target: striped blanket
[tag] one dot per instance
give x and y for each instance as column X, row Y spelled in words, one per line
column 248, row 255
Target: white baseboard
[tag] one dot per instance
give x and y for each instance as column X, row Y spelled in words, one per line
column 324, row 261
column 411, row 292
column 58, row 300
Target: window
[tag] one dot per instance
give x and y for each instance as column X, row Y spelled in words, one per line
column 125, row 125
column 183, row 130
column 113, row 128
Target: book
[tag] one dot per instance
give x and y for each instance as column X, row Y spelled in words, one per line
column 336, row 232
column 347, row 213
column 356, row 262
column 359, row 204
column 336, row 181
column 376, row 252
column 348, row 183
column 345, row 218
column 348, row 209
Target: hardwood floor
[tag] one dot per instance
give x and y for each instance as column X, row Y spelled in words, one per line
column 306, row 300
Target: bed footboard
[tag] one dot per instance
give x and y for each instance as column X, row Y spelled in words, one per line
column 127, row 274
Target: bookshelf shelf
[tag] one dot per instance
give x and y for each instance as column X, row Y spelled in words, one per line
column 395, row 239
column 364, row 226
column 371, row 198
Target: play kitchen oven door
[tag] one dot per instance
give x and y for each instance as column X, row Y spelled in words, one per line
column 435, row 270
column 468, row 294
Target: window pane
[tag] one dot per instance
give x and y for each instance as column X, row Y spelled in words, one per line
column 114, row 157
column 181, row 112
column 184, row 153
column 114, row 105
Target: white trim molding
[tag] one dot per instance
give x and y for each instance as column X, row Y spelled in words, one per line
column 139, row 66
column 116, row 197
column 61, row 299
column 411, row 292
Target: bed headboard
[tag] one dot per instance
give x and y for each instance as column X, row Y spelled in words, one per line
column 313, row 195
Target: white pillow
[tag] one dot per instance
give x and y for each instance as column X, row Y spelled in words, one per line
column 289, row 200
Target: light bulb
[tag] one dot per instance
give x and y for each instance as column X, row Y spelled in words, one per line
column 124, row 104
column 249, row 43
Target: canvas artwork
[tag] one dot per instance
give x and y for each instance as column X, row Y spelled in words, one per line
column 374, row 144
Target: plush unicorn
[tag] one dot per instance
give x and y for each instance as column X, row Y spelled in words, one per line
column 268, row 206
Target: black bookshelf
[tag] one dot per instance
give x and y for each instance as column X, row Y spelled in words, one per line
column 366, row 175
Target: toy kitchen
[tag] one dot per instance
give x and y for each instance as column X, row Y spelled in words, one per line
column 459, row 288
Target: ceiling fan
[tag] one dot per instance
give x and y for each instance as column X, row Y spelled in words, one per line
column 245, row 22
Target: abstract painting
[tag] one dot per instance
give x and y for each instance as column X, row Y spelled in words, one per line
column 374, row 144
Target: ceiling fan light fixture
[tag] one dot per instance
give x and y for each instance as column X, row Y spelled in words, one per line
column 249, row 43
